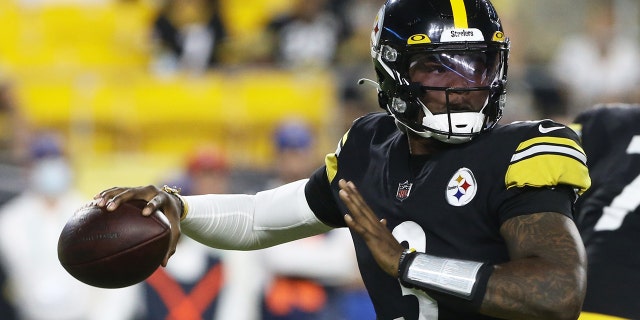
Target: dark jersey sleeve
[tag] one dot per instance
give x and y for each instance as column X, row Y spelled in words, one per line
column 546, row 171
column 529, row 200
column 320, row 199
column 321, row 190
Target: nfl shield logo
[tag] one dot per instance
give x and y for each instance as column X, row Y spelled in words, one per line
column 404, row 189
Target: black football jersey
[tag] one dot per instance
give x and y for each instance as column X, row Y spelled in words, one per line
column 608, row 214
column 450, row 204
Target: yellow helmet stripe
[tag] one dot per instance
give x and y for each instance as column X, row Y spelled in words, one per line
column 459, row 14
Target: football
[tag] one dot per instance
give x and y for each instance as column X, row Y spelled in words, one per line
column 113, row 249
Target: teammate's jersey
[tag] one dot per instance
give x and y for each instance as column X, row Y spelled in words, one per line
column 608, row 214
column 450, row 204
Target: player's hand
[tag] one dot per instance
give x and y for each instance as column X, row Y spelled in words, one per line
column 156, row 200
column 361, row 219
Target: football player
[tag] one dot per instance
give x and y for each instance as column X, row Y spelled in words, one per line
column 608, row 214
column 452, row 216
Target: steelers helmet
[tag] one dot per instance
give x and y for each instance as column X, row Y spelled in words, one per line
column 463, row 45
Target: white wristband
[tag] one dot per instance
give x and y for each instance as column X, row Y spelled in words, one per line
column 450, row 275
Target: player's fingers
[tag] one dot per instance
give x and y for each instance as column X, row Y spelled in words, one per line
column 168, row 256
column 154, row 204
column 360, row 208
column 106, row 195
column 103, row 193
column 353, row 225
column 114, row 201
column 351, row 197
column 357, row 199
column 126, row 194
column 175, row 236
column 359, row 225
column 354, row 210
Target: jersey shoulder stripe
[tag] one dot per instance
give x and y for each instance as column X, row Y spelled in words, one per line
column 549, row 145
column 360, row 135
column 546, row 158
column 331, row 159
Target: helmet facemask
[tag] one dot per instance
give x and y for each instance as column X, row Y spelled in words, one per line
column 448, row 92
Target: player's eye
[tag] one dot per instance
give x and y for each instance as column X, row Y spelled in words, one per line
column 430, row 67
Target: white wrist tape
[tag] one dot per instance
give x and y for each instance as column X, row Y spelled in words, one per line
column 453, row 276
column 247, row 222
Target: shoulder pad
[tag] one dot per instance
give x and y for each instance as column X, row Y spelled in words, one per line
column 548, row 154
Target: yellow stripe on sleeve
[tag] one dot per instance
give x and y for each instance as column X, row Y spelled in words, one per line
column 459, row 14
column 548, row 161
column 550, row 140
column 548, row 170
column 331, row 160
column 596, row 316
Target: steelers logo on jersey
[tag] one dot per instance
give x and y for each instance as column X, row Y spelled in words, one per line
column 461, row 188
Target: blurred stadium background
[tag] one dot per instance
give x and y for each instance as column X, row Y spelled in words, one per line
column 82, row 68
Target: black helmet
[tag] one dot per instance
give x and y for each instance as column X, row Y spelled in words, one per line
column 463, row 38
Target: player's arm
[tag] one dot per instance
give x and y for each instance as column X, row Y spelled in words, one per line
column 249, row 222
column 228, row 221
column 546, row 277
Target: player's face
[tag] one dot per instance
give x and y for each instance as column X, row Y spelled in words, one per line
column 460, row 70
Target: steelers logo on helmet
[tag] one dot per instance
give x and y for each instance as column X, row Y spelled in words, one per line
column 377, row 27
column 461, row 188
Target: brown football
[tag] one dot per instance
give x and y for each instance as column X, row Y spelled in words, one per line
column 113, row 249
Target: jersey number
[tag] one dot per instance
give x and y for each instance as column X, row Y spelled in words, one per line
column 412, row 233
column 625, row 202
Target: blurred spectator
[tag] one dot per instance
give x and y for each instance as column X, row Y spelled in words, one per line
column 295, row 157
column 7, row 309
column 598, row 65
column 341, row 9
column 188, row 35
column 13, row 146
column 15, row 131
column 203, row 283
column 356, row 15
column 30, row 225
column 12, row 183
column 548, row 95
column 317, row 277
column 309, row 36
